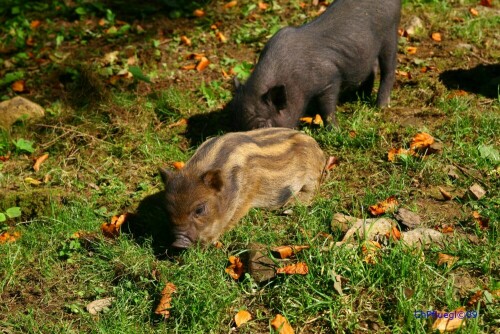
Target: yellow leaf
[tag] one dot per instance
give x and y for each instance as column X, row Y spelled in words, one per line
column 280, row 324
column 242, row 317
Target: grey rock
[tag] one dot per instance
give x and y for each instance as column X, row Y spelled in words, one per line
column 19, row 108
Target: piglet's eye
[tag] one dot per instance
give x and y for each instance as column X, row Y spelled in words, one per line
column 200, row 210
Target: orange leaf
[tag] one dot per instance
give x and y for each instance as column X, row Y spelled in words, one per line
column 225, row 75
column 235, row 269
column 284, row 252
column 242, row 317
column 483, row 222
column 185, row 40
column 449, row 323
column 196, row 56
column 180, row 122
column 387, row 205
column 317, row 120
column 436, row 37
column 39, row 161
column 280, row 324
column 473, row 12
column 370, row 249
column 164, row 306
column 5, row 157
column 198, row 13
column 486, row 3
column 299, row 268
column 395, row 153
column 19, row 86
column 263, row 5
column 332, row 163
column 9, row 237
column 102, row 22
column 447, row 229
column 218, row 244
column 35, row 24
column 112, row 230
column 411, row 50
column 178, row 165
column 421, row 141
column 446, row 259
column 220, row 36
column 395, row 233
column 307, row 120
column 476, row 298
column 404, row 74
column 188, row 67
column 202, row 64
column 230, row 4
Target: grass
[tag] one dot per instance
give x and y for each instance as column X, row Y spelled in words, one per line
column 107, row 138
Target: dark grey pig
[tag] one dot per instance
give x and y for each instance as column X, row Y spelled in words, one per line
column 338, row 51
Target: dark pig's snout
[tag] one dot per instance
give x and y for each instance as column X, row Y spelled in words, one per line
column 181, row 242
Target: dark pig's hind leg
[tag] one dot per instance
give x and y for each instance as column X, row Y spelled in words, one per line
column 387, row 62
column 327, row 101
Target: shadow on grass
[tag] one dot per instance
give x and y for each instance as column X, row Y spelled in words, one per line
column 202, row 126
column 482, row 79
column 150, row 221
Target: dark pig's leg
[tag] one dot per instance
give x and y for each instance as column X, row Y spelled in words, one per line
column 365, row 90
column 328, row 100
column 387, row 62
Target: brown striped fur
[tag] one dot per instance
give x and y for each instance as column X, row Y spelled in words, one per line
column 228, row 175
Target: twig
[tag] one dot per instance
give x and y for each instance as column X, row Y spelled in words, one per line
column 74, row 131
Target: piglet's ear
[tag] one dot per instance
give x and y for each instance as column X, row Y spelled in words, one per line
column 277, row 97
column 213, row 179
column 165, row 175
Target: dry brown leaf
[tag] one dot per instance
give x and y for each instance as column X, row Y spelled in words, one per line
column 9, row 237
column 482, row 222
column 198, row 13
column 299, row 268
column 284, row 252
column 486, row 3
column 473, row 12
column 178, row 164
column 102, row 22
column 180, row 122
column 19, row 86
column 236, row 268
column 35, row 24
column 411, row 50
column 446, row 259
column 436, row 37
column 446, row 195
column 332, row 163
column 421, row 140
column 282, row 325
column 395, row 153
column 242, row 317
column 387, row 205
column 185, row 40
column 188, row 67
column 195, row 56
column 404, row 74
column 220, row 36
column 395, row 233
column 164, row 306
column 447, row 324
column 370, row 249
column 475, row 298
column 4, row 158
column 218, row 244
column 230, row 4
column 263, row 5
column 112, row 229
column 202, row 64
column 39, row 161
column 307, row 120
column 447, row 229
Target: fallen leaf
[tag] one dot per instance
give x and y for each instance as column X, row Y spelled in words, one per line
column 19, row 86
column 110, row 57
column 230, row 4
column 195, row 56
column 32, row 181
column 185, row 40
column 299, row 268
column 449, row 324
column 475, row 298
column 9, row 237
column 404, row 74
column 387, row 205
column 178, row 165
column 421, row 141
column 164, row 306
column 436, row 37
column 218, row 244
column 102, row 22
column 446, row 259
column 395, row 233
column 112, row 229
column 242, row 317
column 284, row 252
column 395, row 153
column 411, row 50
column 131, row 61
column 447, row 229
column 263, row 5
column 225, row 75
column 446, row 195
column 220, row 36
column 370, row 249
column 4, row 158
column 188, row 67
column 481, row 221
column 473, row 12
column 35, row 24
column 332, row 163
column 352, row 134
column 317, row 120
column 39, row 161
column 202, row 64
column 198, row 13
column 282, row 325
column 236, row 268
column 99, row 305
column 180, row 122
column 307, row 120
column 486, row 3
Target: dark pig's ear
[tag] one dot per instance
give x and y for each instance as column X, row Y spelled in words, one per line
column 276, row 96
column 213, row 179
column 165, row 175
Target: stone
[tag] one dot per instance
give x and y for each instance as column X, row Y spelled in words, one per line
column 407, row 218
column 19, row 108
column 414, row 26
column 476, row 192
